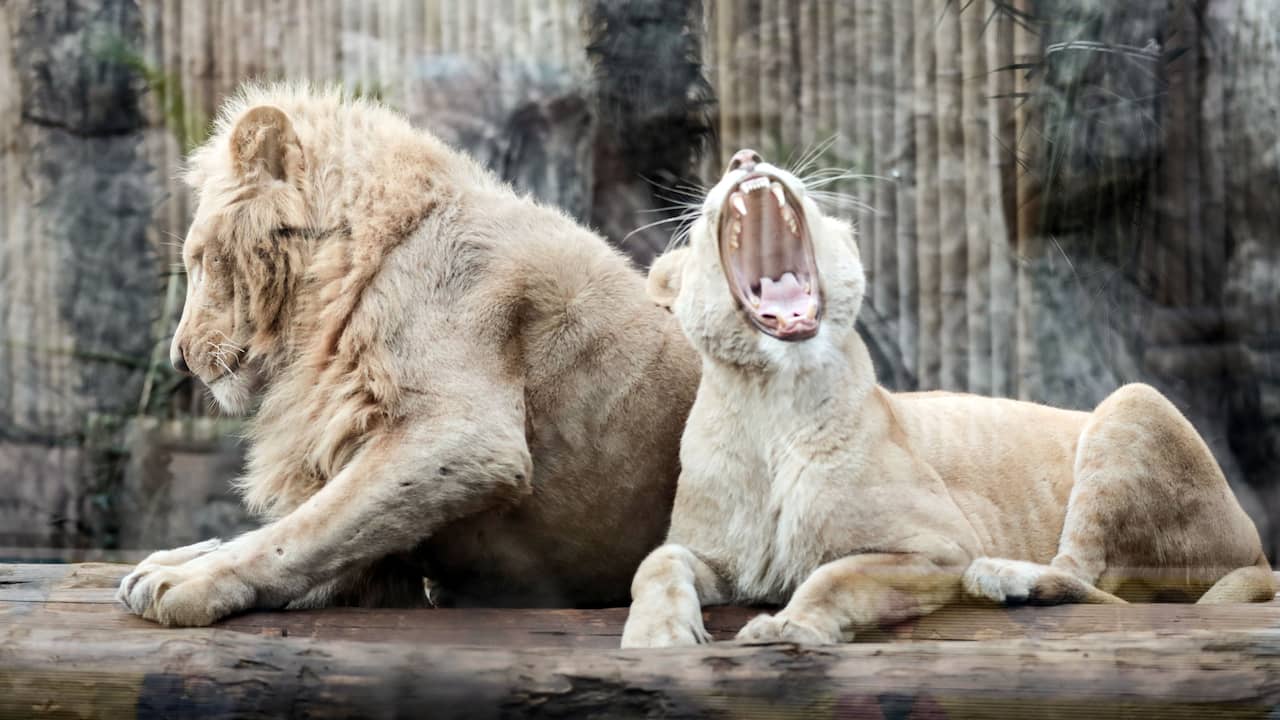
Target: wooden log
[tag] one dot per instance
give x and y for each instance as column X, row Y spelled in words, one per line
column 89, row 659
column 83, row 596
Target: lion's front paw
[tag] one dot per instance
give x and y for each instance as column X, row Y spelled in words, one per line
column 196, row 591
column 779, row 628
column 653, row 630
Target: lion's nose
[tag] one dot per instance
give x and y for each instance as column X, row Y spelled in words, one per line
column 745, row 159
column 179, row 360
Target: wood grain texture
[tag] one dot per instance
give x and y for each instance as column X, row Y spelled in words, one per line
column 67, row 650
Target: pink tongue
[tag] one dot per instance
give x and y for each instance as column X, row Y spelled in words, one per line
column 783, row 298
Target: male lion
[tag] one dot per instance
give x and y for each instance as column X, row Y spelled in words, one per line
column 805, row 483
column 452, row 380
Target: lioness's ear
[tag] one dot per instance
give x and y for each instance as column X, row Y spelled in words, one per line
column 664, row 277
column 263, row 141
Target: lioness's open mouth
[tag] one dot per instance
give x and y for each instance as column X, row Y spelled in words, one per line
column 767, row 255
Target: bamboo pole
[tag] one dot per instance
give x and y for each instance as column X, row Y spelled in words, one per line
column 951, row 199
column 903, row 171
column 760, row 77
column 224, row 52
column 858, row 148
column 1026, row 51
column 809, row 74
column 977, row 210
column 792, row 128
column 248, row 44
column 1213, row 158
column 846, row 88
column 725, row 43
column 1172, row 282
column 350, row 69
column 927, row 228
column 826, row 68
column 1003, row 173
column 883, row 99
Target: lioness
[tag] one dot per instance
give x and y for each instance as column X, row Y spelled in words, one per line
column 805, row 483
column 452, row 380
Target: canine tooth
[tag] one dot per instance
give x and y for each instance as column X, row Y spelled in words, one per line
column 739, row 204
column 777, row 194
column 808, row 288
column 812, row 312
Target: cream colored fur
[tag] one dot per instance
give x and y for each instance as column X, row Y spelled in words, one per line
column 451, row 380
column 805, row 484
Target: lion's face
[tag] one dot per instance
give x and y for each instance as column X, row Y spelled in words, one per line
column 242, row 255
column 766, row 274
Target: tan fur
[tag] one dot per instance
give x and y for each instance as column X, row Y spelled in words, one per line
column 806, row 484
column 451, row 380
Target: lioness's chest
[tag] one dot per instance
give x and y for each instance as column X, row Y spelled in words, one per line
column 770, row 522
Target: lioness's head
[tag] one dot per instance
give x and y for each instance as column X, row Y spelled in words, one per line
column 766, row 274
column 243, row 253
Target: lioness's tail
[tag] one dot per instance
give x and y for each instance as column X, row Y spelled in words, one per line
column 1255, row 583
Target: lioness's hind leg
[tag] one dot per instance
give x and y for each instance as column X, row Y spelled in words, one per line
column 1255, row 583
column 1150, row 514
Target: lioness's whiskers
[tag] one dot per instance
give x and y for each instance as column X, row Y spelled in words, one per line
column 679, row 218
column 810, row 156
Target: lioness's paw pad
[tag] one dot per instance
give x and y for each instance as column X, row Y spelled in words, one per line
column 640, row 632
column 1004, row 581
column 776, row 628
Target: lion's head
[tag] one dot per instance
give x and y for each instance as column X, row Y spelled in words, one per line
column 766, row 274
column 243, row 254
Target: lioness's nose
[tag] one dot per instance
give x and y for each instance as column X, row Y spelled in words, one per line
column 745, row 159
column 179, row 359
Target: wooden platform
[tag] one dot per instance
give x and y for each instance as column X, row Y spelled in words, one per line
column 66, row 650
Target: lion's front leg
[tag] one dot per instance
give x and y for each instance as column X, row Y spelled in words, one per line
column 853, row 592
column 395, row 493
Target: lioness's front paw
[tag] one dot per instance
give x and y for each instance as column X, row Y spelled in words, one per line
column 1004, row 581
column 654, row 630
column 779, row 628
column 194, row 592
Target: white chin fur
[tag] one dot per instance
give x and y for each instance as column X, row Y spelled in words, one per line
column 233, row 393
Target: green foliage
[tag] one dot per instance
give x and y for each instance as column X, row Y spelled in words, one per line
column 189, row 125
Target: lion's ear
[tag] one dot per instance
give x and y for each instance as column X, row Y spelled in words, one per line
column 263, row 141
column 664, row 277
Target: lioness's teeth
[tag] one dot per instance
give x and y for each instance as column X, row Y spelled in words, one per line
column 789, row 216
column 739, row 204
column 777, row 194
column 812, row 312
column 808, row 288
